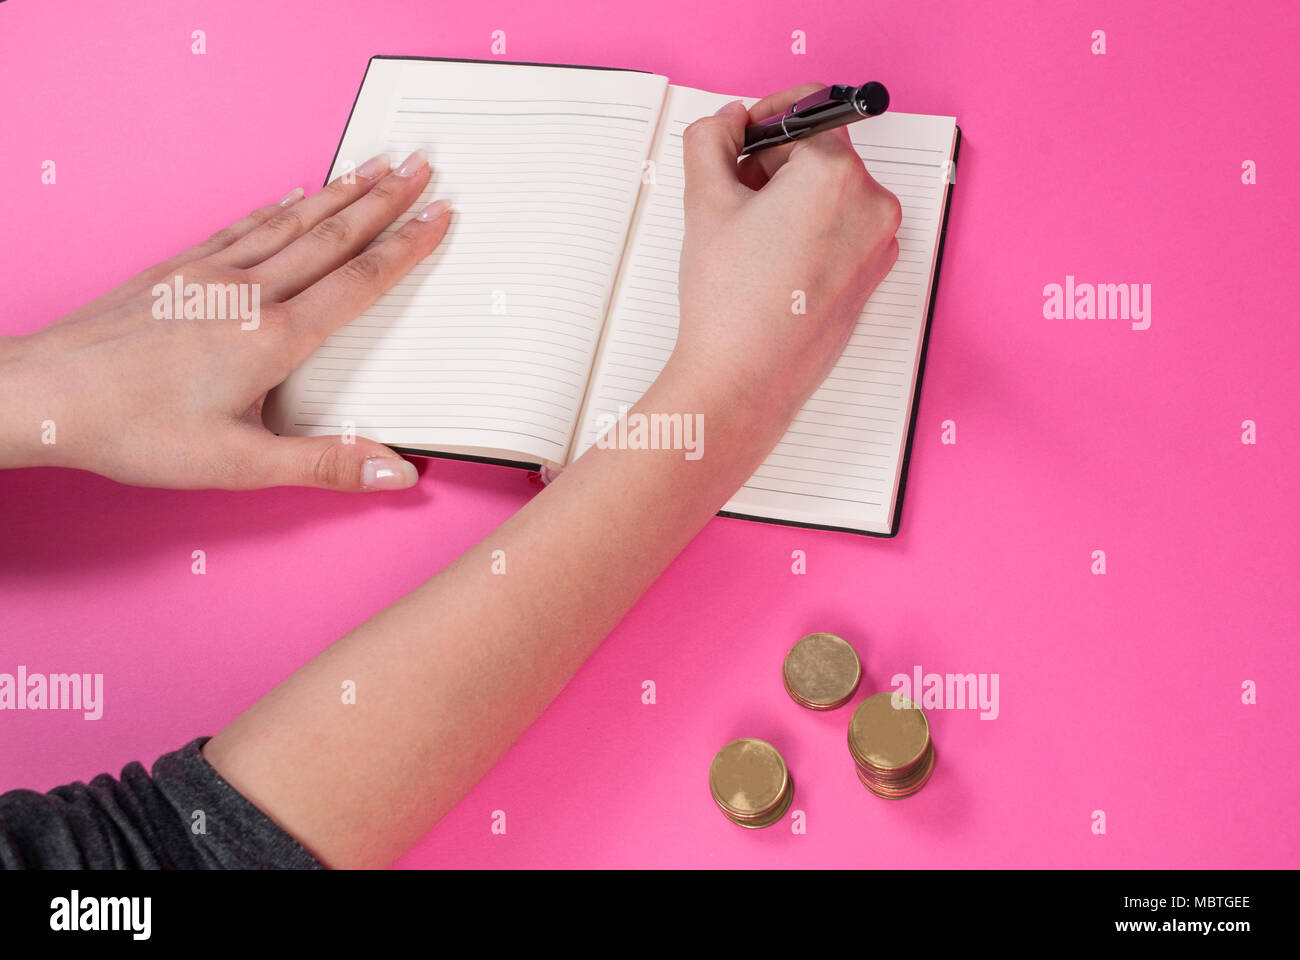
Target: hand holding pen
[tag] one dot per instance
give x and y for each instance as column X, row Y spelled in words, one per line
column 824, row 109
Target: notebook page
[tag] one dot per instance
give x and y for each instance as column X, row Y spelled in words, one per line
column 840, row 461
column 487, row 345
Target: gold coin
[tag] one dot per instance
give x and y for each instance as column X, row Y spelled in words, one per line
column 897, row 789
column 821, row 671
column 770, row 818
column 750, row 782
column 885, row 738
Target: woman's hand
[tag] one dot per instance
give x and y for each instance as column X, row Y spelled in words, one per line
column 799, row 227
column 125, row 391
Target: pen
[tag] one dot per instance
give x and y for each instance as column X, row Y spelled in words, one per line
column 825, row 109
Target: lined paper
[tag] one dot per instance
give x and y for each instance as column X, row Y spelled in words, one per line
column 839, row 463
column 487, row 345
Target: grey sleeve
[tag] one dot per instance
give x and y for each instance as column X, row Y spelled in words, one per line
column 139, row 821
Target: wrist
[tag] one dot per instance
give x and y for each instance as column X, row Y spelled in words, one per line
column 743, row 422
column 28, row 434
column 744, row 402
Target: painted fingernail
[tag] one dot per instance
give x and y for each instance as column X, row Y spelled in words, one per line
column 388, row 473
column 373, row 167
column 412, row 163
column 434, row 210
column 292, row 197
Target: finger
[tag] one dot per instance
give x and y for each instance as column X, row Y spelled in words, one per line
column 710, row 147
column 350, row 289
column 245, row 225
column 277, row 232
column 780, row 102
column 755, row 169
column 338, row 238
column 329, row 463
column 830, row 145
column 145, row 279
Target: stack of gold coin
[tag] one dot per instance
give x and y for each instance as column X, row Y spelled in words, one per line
column 750, row 783
column 891, row 745
column 821, row 672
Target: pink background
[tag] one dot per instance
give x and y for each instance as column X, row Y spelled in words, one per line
column 1119, row 693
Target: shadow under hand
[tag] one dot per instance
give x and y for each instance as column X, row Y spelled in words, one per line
column 59, row 521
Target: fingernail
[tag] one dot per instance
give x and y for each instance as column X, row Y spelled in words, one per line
column 292, row 197
column 373, row 167
column 725, row 107
column 388, row 473
column 412, row 163
column 434, row 210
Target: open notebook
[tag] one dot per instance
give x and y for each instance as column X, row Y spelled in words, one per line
column 552, row 301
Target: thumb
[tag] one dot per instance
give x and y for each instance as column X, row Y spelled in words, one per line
column 710, row 148
column 357, row 466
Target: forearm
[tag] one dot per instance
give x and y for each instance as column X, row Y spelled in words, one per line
column 449, row 676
